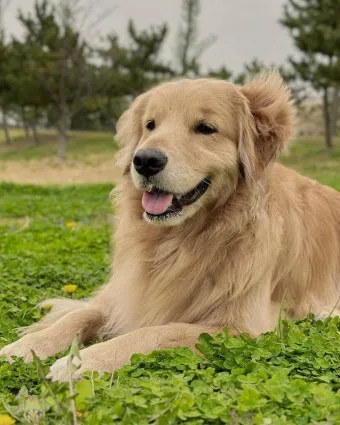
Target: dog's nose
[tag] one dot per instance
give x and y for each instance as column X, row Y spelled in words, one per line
column 149, row 162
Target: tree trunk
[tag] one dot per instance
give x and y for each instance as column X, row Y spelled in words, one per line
column 27, row 131
column 327, row 120
column 335, row 110
column 35, row 134
column 25, row 123
column 63, row 127
column 6, row 128
column 34, row 128
column 62, row 144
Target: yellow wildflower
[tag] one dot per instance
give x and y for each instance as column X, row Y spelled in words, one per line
column 6, row 420
column 70, row 224
column 69, row 289
column 47, row 307
column 82, row 415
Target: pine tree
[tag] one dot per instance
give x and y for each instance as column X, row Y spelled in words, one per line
column 130, row 70
column 28, row 98
column 59, row 57
column 315, row 29
column 4, row 61
column 143, row 57
column 222, row 73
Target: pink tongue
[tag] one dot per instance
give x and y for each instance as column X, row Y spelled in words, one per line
column 155, row 203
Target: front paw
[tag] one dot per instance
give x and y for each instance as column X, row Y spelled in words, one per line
column 326, row 313
column 23, row 348
column 89, row 361
column 61, row 370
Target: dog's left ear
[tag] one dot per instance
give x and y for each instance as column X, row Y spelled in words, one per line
column 267, row 123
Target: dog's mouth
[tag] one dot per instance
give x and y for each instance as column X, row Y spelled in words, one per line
column 158, row 203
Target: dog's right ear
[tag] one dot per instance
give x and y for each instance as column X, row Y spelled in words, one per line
column 129, row 131
column 266, row 123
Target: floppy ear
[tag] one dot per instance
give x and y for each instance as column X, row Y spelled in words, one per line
column 267, row 123
column 129, row 131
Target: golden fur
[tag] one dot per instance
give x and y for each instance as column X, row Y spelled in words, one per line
column 261, row 235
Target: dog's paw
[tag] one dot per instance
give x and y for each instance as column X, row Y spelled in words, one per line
column 325, row 314
column 61, row 370
column 24, row 346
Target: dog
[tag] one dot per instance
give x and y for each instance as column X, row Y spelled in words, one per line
column 211, row 231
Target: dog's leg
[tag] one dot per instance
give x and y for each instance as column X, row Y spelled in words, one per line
column 321, row 309
column 58, row 308
column 256, row 312
column 324, row 313
column 111, row 355
column 47, row 342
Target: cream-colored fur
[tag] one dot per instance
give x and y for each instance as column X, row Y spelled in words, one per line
column 260, row 236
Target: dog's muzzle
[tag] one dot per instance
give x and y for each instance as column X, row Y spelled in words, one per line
column 158, row 203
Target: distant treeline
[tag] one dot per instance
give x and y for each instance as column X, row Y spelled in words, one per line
column 55, row 76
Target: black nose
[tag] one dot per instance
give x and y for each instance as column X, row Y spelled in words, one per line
column 149, row 162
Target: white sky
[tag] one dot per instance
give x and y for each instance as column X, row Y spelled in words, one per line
column 245, row 28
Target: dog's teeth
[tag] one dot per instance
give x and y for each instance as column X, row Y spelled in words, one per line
column 149, row 188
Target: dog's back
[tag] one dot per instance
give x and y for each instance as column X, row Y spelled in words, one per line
column 311, row 242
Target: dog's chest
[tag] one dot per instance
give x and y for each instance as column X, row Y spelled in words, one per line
column 173, row 285
column 184, row 276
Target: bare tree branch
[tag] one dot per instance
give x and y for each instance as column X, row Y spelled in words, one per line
column 189, row 48
column 100, row 18
column 80, row 12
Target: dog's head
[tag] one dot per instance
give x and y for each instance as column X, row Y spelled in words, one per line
column 187, row 144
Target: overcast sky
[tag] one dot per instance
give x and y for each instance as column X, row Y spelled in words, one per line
column 244, row 28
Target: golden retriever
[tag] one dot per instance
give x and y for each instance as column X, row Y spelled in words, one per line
column 211, row 232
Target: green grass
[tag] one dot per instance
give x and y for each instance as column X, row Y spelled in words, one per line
column 312, row 159
column 50, row 237
column 40, row 253
column 289, row 377
column 81, row 144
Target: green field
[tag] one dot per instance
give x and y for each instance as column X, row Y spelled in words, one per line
column 51, row 237
column 80, row 145
column 312, row 159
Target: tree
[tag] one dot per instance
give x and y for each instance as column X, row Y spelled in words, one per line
column 130, row 69
column 4, row 60
column 315, row 29
column 28, row 98
column 142, row 59
column 297, row 86
column 335, row 112
column 60, row 58
column 5, row 88
column 222, row 73
column 189, row 48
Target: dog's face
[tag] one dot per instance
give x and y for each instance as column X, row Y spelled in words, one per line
column 187, row 149
column 188, row 143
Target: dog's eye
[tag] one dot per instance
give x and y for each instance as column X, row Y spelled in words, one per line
column 204, row 128
column 150, row 125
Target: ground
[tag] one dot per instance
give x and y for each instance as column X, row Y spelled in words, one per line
column 90, row 159
column 54, row 236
